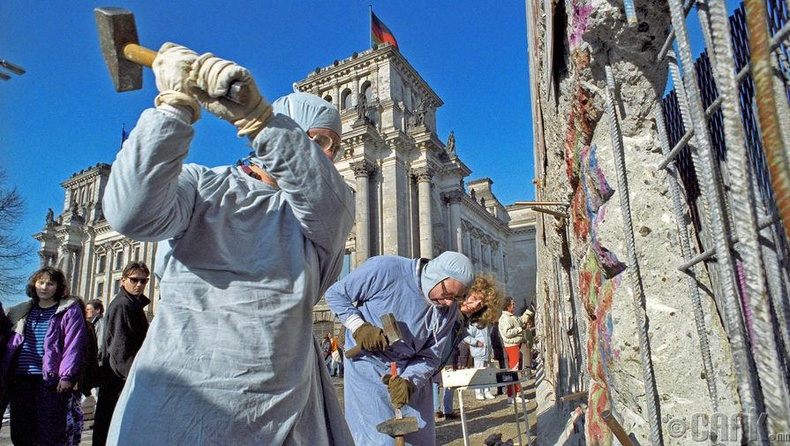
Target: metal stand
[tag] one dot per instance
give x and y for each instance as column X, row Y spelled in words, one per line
column 520, row 382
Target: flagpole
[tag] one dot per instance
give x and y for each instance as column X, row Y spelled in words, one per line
column 123, row 133
column 370, row 27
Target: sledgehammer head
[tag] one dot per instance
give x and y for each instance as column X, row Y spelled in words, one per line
column 116, row 30
column 397, row 427
column 391, row 329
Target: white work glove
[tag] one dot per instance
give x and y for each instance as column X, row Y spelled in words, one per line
column 212, row 78
column 172, row 67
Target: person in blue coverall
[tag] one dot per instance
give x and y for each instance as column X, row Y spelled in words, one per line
column 245, row 252
column 424, row 297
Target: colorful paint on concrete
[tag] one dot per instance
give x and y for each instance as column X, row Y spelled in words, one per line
column 600, row 269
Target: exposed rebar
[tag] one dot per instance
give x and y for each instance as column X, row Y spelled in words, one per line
column 775, row 153
column 691, row 110
column 742, row 197
column 651, row 392
column 682, row 218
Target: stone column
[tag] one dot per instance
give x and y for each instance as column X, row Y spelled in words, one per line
column 423, row 177
column 86, row 268
column 362, row 170
column 453, row 198
column 49, row 244
column 66, row 261
column 464, row 236
column 477, row 249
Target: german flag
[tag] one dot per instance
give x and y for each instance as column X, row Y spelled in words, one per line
column 380, row 32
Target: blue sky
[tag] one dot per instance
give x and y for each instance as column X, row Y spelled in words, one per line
column 64, row 115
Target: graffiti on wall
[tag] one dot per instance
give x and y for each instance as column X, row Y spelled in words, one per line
column 600, row 269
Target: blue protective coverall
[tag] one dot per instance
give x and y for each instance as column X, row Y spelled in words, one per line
column 230, row 356
column 391, row 284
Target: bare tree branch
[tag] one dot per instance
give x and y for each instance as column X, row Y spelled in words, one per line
column 13, row 250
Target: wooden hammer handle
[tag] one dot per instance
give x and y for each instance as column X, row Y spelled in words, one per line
column 139, row 54
column 353, row 351
column 238, row 92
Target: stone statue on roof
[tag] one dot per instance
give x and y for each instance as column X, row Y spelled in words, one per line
column 362, row 107
column 450, row 147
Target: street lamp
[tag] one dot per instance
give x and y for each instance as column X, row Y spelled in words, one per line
column 13, row 68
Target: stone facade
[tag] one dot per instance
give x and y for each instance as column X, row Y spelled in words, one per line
column 81, row 242
column 409, row 186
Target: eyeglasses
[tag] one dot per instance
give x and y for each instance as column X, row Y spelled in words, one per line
column 141, row 280
column 448, row 295
column 327, row 145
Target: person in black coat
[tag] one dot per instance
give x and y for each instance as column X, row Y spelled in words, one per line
column 124, row 332
column 499, row 351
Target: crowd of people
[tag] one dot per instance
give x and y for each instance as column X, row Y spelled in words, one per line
column 245, row 251
column 332, row 351
column 58, row 350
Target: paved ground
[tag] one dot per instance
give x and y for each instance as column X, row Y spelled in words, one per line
column 484, row 418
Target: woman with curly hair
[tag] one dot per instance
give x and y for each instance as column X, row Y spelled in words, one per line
column 44, row 358
column 485, row 291
column 483, row 303
column 479, row 310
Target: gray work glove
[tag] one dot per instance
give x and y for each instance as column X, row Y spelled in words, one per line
column 370, row 337
column 212, row 78
column 172, row 67
column 400, row 390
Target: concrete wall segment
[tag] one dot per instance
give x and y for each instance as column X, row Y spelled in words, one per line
column 576, row 164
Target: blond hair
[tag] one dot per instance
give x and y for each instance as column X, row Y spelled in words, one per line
column 485, row 286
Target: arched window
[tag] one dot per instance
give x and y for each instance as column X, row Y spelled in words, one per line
column 367, row 90
column 347, row 99
column 328, row 98
column 101, row 263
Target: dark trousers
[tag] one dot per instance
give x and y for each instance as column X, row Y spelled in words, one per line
column 109, row 392
column 38, row 412
column 502, row 366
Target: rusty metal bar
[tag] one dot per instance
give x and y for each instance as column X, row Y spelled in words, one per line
column 616, row 428
column 573, row 396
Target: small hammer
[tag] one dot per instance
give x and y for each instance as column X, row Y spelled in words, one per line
column 125, row 57
column 391, row 330
column 399, row 426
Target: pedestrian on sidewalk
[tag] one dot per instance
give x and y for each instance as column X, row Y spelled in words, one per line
column 126, row 329
column 44, row 358
column 511, row 329
column 94, row 312
column 479, row 338
column 326, row 351
column 337, row 362
column 498, row 351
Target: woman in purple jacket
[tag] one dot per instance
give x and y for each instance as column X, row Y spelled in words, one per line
column 44, row 358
